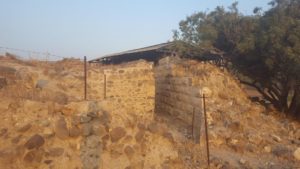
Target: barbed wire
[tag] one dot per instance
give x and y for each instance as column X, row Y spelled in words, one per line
column 30, row 52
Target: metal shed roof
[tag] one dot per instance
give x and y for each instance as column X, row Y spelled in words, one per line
column 158, row 48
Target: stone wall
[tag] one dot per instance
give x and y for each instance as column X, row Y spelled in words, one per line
column 95, row 83
column 178, row 93
column 132, row 85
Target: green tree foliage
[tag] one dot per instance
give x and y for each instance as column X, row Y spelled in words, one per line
column 264, row 48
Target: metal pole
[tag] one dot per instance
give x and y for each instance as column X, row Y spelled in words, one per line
column 85, row 78
column 206, row 131
column 193, row 118
column 104, row 87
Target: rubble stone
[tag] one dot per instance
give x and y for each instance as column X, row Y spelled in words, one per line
column 56, row 152
column 35, row 141
column 61, row 129
column 297, row 153
column 24, row 128
column 117, row 133
column 129, row 151
column 87, row 129
column 74, row 131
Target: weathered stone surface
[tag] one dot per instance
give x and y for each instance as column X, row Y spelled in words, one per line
column 61, row 129
column 29, row 157
column 129, row 151
column 45, row 123
column 267, row 149
column 139, row 136
column 90, row 152
column 169, row 136
column 117, row 133
column 239, row 148
column 99, row 130
column 104, row 140
column 48, row 161
column 24, row 128
column 235, row 126
column 85, row 119
column 19, row 150
column 7, row 152
column 75, row 120
column 55, row 152
column 35, row 141
column 141, row 126
column 87, row 129
column 16, row 139
column 3, row 131
column 255, row 139
column 281, row 151
column 93, row 107
column 153, row 128
column 92, row 114
column 139, row 164
column 127, row 139
column 34, row 156
column 41, row 83
column 67, row 111
column 116, row 150
column 297, row 153
column 60, row 98
column 276, row 138
column 74, row 131
column 92, row 141
column 90, row 159
column 48, row 133
column 105, row 118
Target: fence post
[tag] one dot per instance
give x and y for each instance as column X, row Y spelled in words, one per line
column 206, row 131
column 193, row 119
column 85, row 78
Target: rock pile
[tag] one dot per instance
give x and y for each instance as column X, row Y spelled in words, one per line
column 91, row 146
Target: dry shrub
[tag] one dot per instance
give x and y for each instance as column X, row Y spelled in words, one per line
column 46, row 71
column 7, row 71
column 59, row 68
column 17, row 59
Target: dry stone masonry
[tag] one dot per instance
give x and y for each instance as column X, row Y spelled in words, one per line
column 177, row 94
column 131, row 84
column 169, row 87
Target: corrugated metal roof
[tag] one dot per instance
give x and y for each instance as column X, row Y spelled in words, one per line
column 144, row 49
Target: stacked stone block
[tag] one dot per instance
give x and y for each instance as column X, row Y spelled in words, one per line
column 132, row 85
column 175, row 92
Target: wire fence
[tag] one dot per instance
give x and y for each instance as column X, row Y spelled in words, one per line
column 65, row 72
column 30, row 54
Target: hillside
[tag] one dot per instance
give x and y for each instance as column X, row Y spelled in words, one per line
column 45, row 123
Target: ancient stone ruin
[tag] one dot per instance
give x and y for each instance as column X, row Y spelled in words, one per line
column 169, row 87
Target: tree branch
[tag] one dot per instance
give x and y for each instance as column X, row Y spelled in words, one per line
column 261, row 91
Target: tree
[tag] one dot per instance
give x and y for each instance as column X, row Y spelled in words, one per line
column 263, row 48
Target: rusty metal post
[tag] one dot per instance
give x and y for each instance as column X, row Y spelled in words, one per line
column 104, row 86
column 85, row 74
column 206, row 131
column 193, row 119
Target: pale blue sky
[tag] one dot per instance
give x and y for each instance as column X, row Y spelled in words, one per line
column 98, row 27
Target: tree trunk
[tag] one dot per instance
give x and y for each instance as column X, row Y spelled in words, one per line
column 294, row 108
column 284, row 100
